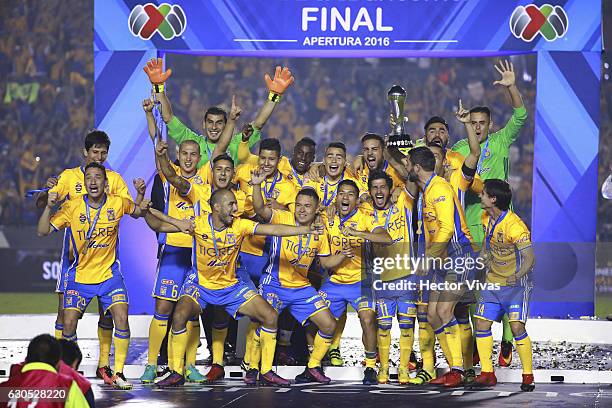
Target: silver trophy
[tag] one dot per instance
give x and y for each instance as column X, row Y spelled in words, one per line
column 398, row 137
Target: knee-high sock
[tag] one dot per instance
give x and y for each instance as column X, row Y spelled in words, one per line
column 193, row 338
column 256, row 349
column 484, row 343
column 507, row 333
column 122, row 342
column 219, row 332
column 405, row 343
column 157, row 332
column 426, row 344
column 338, row 333
column 171, row 351
column 453, row 339
column 322, row 342
column 467, row 342
column 250, row 334
column 105, row 337
column 268, row 346
column 59, row 327
column 384, row 344
column 523, row 347
column 441, row 336
column 179, row 344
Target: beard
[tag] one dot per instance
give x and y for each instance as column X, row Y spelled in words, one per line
column 412, row 176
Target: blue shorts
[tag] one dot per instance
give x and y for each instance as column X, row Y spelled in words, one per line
column 65, row 262
column 302, row 302
column 250, row 268
column 230, row 298
column 172, row 270
column 464, row 270
column 399, row 301
column 338, row 295
column 110, row 292
column 513, row 300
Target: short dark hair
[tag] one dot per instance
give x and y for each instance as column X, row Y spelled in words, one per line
column 44, row 348
column 351, row 183
column 435, row 119
column 95, row 165
column 271, row 144
column 481, row 109
column 379, row 174
column 216, row 196
column 223, row 156
column 423, row 157
column 215, row 110
column 373, row 136
column 306, row 141
column 70, row 352
column 96, row 137
column 193, row 142
column 336, row 145
column 310, row 192
column 501, row 191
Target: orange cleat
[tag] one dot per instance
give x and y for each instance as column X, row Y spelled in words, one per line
column 484, row 380
column 528, row 384
column 454, row 379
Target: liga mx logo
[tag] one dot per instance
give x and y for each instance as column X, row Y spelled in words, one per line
column 167, row 20
column 550, row 21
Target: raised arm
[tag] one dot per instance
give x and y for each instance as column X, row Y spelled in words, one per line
column 276, row 88
column 261, row 209
column 228, row 131
column 282, row 230
column 155, row 71
column 463, row 115
column 44, row 222
column 161, row 222
column 147, row 106
column 508, row 79
column 181, row 184
column 378, row 235
column 41, row 198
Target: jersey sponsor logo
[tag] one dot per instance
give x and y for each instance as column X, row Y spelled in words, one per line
column 167, row 282
column 162, row 290
column 95, row 245
column 204, row 236
column 72, row 292
column 513, row 316
column 78, row 187
column 183, row 205
column 110, row 214
column 249, row 294
column 364, row 305
column 439, row 199
column 319, row 304
column 120, row 297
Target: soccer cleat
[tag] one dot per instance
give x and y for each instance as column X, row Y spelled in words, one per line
column 475, row 356
column 485, row 379
column 454, row 379
column 106, row 374
column 403, row 375
column 250, row 378
column 163, row 374
column 335, row 358
column 369, row 376
column 412, row 363
column 422, row 377
column 244, row 366
column 440, row 380
column 315, row 374
column 470, row 375
column 149, row 375
column 273, row 379
column 120, row 382
column 505, row 354
column 216, row 373
column 383, row 375
column 172, row 380
column 192, row 375
column 528, row 383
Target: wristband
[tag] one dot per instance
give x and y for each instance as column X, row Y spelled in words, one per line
column 157, row 88
column 274, row 97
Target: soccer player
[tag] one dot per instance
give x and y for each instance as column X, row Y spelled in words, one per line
column 71, row 184
column 217, row 239
column 397, row 218
column 285, row 281
column 442, row 234
column 93, row 220
column 303, row 156
column 215, row 118
column 351, row 227
column 511, row 258
column 494, row 163
column 373, row 151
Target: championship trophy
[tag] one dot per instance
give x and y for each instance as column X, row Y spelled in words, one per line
column 398, row 137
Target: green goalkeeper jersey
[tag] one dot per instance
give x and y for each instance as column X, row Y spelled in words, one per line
column 494, row 163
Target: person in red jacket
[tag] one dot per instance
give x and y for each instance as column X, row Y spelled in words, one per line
column 69, row 364
column 39, row 374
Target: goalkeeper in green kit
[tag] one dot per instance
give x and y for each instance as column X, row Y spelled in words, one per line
column 494, row 164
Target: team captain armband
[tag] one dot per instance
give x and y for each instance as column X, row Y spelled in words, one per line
column 274, row 97
column 157, row 88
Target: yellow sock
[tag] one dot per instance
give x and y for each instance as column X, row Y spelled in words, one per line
column 193, row 338
column 256, row 350
column 157, row 332
column 179, row 344
column 249, row 341
column 268, row 347
column 59, row 327
column 105, row 337
column 384, row 344
column 523, row 347
column 426, row 344
column 218, row 344
column 441, row 336
column 484, row 343
column 370, row 359
column 170, row 351
column 453, row 339
column 467, row 344
column 122, row 342
column 321, row 346
column 405, row 343
column 338, row 333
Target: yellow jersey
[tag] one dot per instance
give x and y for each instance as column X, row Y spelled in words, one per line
column 291, row 257
column 505, row 239
column 441, row 220
column 285, row 167
column 101, row 226
column 363, row 175
column 215, row 252
column 327, row 190
column 350, row 270
column 71, row 184
column 199, row 194
column 461, row 184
